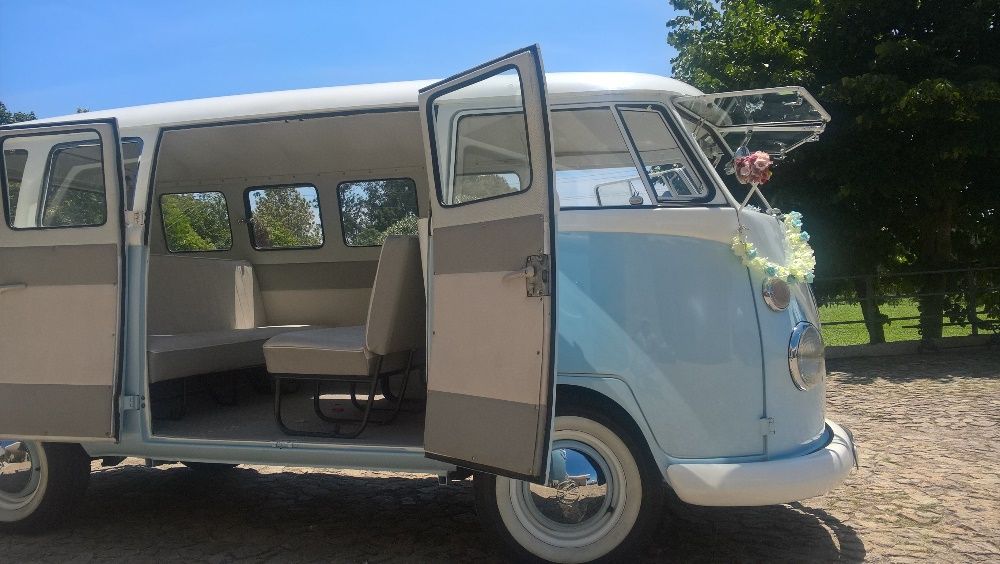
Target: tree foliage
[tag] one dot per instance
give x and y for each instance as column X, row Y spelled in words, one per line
column 371, row 210
column 196, row 222
column 285, row 217
column 905, row 176
column 7, row 116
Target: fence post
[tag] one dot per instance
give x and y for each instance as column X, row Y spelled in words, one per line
column 970, row 301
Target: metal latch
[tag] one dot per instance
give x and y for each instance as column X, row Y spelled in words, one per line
column 131, row 403
column 135, row 218
column 766, row 426
column 536, row 274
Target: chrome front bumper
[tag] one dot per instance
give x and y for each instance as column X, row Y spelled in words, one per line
column 768, row 482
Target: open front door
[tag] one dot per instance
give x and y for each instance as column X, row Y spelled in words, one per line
column 491, row 376
column 61, row 285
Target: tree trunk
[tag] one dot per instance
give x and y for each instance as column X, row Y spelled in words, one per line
column 935, row 254
column 865, row 289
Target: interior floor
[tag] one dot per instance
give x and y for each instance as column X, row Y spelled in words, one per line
column 219, row 408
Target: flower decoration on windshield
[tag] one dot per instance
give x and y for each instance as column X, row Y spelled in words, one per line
column 801, row 263
column 754, row 168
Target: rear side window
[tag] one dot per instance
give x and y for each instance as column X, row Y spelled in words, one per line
column 196, row 221
column 285, row 217
column 370, row 210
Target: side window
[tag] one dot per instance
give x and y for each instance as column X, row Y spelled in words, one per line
column 491, row 157
column 196, row 221
column 370, row 210
column 284, row 217
column 593, row 165
column 670, row 173
column 74, row 192
column 68, row 192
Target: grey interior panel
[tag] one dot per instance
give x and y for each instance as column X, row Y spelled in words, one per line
column 55, row 410
column 490, row 246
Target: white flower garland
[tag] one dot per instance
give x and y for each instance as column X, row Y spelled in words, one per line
column 801, row 261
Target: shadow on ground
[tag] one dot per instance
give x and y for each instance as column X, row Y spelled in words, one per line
column 173, row 513
column 943, row 366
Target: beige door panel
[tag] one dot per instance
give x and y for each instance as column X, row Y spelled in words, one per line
column 61, row 291
column 491, row 378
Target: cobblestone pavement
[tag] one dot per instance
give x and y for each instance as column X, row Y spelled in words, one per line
column 928, row 428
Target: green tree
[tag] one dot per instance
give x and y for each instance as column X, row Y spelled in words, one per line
column 285, row 217
column 196, row 222
column 905, row 176
column 372, row 209
column 7, row 116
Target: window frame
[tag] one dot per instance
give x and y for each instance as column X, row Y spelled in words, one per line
column 163, row 224
column 453, row 134
column 248, row 216
column 685, row 148
column 4, row 194
column 340, row 205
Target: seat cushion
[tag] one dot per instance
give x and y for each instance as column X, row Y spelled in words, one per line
column 334, row 351
column 189, row 354
column 337, row 351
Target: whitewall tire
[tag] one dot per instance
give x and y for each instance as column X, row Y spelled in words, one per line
column 40, row 483
column 603, row 498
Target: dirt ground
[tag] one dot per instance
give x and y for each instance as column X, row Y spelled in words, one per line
column 928, row 429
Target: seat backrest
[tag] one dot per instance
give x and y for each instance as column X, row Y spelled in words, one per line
column 193, row 294
column 396, row 310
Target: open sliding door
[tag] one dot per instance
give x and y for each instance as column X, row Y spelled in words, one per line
column 491, row 376
column 61, row 287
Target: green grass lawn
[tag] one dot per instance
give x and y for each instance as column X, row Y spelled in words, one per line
column 856, row 334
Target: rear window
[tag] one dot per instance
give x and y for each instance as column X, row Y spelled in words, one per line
column 285, row 217
column 370, row 210
column 196, row 221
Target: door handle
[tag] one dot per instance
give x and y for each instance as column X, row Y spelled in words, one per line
column 526, row 272
column 11, row 287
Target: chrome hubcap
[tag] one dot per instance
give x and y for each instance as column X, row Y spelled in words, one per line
column 581, row 501
column 19, row 474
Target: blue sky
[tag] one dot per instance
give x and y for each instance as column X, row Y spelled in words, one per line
column 98, row 54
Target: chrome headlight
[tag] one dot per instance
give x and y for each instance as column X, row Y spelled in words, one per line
column 777, row 294
column 806, row 362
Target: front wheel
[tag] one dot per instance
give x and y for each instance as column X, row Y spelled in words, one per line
column 40, row 483
column 604, row 495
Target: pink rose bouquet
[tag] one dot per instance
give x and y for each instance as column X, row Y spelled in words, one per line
column 754, row 168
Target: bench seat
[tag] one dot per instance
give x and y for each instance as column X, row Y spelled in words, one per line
column 203, row 352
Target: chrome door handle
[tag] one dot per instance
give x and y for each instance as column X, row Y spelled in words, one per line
column 11, row 287
column 526, row 272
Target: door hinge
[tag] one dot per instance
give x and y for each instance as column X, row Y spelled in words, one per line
column 135, row 218
column 539, row 283
column 766, row 426
column 131, row 403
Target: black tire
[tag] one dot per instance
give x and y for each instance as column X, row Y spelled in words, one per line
column 493, row 503
column 210, row 467
column 63, row 472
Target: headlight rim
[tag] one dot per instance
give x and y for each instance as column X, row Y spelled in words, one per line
column 794, row 358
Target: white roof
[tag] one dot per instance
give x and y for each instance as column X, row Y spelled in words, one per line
column 340, row 98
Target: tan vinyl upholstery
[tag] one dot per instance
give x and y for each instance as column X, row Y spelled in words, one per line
column 395, row 324
column 204, row 315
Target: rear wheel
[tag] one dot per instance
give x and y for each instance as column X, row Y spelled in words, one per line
column 604, row 495
column 40, row 484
